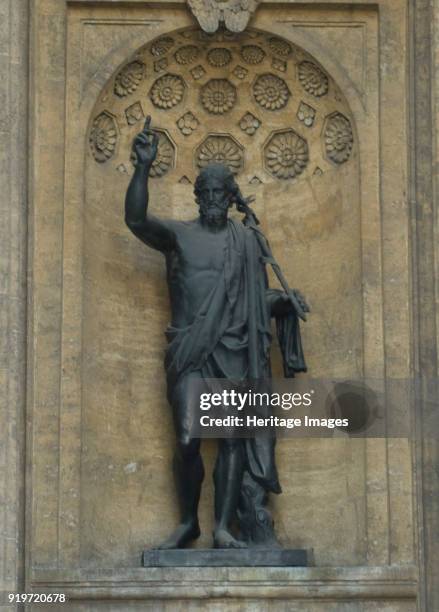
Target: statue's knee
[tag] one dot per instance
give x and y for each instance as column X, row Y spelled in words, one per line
column 188, row 448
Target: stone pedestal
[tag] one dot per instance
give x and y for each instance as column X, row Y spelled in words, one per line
column 210, row 557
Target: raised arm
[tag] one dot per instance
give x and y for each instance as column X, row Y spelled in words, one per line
column 152, row 231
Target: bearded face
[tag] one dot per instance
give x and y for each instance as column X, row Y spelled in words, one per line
column 213, row 200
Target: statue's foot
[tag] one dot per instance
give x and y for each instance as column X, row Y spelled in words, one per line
column 224, row 539
column 185, row 533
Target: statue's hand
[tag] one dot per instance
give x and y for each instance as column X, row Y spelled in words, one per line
column 284, row 304
column 145, row 145
column 300, row 300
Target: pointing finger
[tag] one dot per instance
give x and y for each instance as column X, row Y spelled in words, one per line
column 147, row 123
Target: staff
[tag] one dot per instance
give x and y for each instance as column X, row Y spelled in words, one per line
column 252, row 221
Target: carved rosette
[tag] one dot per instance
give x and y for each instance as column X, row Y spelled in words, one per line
column 219, row 57
column 339, row 138
column 225, row 90
column 167, row 91
column 187, row 54
column 252, row 54
column 218, row 96
column 128, row 79
column 164, row 160
column 240, row 72
column 160, row 64
column 306, row 114
column 103, row 137
column 187, row 123
column 220, row 149
column 198, row 72
column 271, row 92
column 280, row 47
column 162, row 46
column 249, row 124
column 134, row 113
column 286, row 155
column 279, row 64
column 313, row 80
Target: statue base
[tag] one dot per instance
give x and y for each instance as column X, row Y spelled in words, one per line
column 227, row 557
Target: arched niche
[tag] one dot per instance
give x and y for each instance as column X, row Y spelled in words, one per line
column 270, row 110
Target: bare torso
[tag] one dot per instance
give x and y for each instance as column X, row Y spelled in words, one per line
column 193, row 267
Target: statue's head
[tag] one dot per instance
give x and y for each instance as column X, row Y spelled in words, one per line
column 215, row 191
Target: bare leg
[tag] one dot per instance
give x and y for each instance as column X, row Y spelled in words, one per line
column 188, row 469
column 189, row 475
column 228, row 479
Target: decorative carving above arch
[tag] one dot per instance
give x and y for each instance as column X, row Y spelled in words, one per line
column 271, row 92
column 243, row 95
column 218, row 96
column 103, row 137
column 167, row 91
column 313, row 79
column 234, row 14
column 221, row 148
column 286, row 154
column 129, row 78
column 338, row 138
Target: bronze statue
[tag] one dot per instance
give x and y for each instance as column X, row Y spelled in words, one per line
column 220, row 328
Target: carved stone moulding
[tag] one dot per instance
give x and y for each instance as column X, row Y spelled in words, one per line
column 271, row 92
column 218, row 96
column 134, row 113
column 338, row 137
column 220, row 148
column 162, row 46
column 216, row 91
column 187, row 54
column 249, row 124
column 160, row 64
column 279, row 64
column 198, row 72
column 219, row 57
column 234, row 14
column 286, row 154
column 167, row 91
column 252, row 54
column 128, row 79
column 306, row 114
column 103, row 137
column 240, row 72
column 313, row 79
column 279, row 46
column 187, row 123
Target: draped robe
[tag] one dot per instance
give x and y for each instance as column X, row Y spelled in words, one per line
column 230, row 337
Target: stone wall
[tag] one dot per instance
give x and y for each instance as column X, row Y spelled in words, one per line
column 14, row 155
column 97, row 487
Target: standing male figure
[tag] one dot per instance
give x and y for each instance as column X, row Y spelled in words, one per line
column 220, row 328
